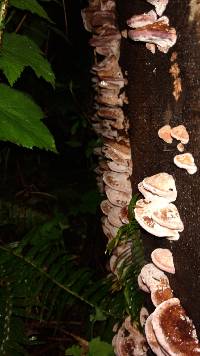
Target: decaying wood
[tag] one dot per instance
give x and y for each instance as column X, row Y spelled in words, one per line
column 152, row 104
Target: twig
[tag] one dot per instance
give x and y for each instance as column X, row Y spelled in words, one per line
column 3, row 12
column 20, row 23
column 65, row 15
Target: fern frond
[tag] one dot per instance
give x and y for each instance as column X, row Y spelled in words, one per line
column 130, row 262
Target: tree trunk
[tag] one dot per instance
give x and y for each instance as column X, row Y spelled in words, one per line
column 152, row 105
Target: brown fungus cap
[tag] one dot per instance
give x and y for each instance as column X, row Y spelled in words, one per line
column 163, row 259
column 165, row 133
column 174, row 331
column 180, row 133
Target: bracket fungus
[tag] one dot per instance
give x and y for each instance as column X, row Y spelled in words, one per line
column 180, row 133
column 165, row 133
column 163, row 259
column 153, row 280
column 129, row 340
column 142, row 20
column 159, row 218
column 118, row 181
column 118, row 198
column 158, row 33
column 173, row 330
column 160, row 5
column 186, row 161
column 161, row 185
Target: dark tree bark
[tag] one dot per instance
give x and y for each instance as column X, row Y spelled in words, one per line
column 152, row 105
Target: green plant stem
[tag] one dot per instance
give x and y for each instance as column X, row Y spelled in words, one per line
column 3, row 12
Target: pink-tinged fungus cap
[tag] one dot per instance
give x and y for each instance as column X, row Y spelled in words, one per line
column 163, row 259
column 118, row 198
column 144, row 314
column 151, row 338
column 129, row 340
column 118, row 181
column 160, row 5
column 106, row 206
column 142, row 20
column 186, row 161
column 158, row 33
column 142, row 285
column 144, row 217
column 165, row 133
column 161, row 184
column 180, row 147
column 114, row 216
column 180, row 133
column 174, row 331
column 169, row 217
column 152, row 277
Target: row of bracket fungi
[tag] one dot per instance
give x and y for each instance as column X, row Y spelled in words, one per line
column 108, row 121
column 156, row 213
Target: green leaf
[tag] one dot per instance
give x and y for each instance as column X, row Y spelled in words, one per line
column 74, row 351
column 98, row 316
column 100, row 348
column 30, row 5
column 20, row 120
column 19, row 52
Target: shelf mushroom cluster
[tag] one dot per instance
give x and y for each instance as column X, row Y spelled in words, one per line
column 115, row 166
column 156, row 213
column 153, row 30
column 168, row 330
column 184, row 160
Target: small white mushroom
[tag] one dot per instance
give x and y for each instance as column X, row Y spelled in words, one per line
column 180, row 147
column 165, row 133
column 186, row 161
column 163, row 259
column 180, row 133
